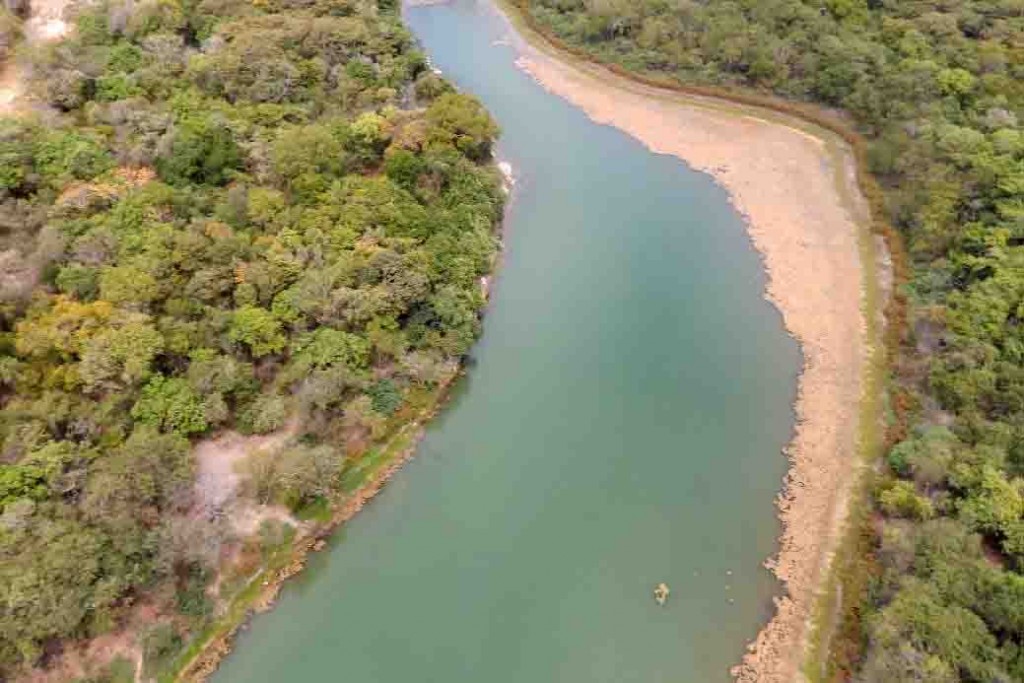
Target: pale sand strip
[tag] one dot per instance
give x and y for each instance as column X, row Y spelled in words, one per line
column 795, row 195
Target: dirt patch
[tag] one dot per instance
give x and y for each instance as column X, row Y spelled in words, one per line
column 45, row 24
column 218, row 477
column 403, row 445
column 803, row 214
column 18, row 275
column 212, row 653
column 46, row 21
column 82, row 659
column 10, row 88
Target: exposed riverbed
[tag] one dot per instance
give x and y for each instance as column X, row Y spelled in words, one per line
column 621, row 425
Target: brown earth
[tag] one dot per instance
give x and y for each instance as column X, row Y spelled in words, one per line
column 219, row 463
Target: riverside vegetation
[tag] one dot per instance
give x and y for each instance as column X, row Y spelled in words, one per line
column 937, row 90
column 269, row 217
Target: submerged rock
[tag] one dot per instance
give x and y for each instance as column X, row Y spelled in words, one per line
column 661, row 592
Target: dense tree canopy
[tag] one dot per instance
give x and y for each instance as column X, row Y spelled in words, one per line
column 234, row 215
column 938, row 89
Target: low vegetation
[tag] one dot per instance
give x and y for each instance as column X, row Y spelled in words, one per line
column 937, row 89
column 231, row 215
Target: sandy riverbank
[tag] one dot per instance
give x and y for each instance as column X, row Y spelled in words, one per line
column 798, row 194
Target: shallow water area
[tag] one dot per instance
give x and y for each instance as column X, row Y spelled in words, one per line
column 620, row 425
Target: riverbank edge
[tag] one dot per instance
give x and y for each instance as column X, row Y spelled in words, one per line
column 834, row 603
column 202, row 658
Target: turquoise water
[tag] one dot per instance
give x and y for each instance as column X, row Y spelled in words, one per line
column 620, row 425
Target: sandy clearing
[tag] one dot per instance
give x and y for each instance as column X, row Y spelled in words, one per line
column 84, row 658
column 218, row 461
column 45, row 24
column 211, row 653
column 804, row 215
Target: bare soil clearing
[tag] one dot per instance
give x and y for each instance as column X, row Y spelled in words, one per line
column 804, row 216
column 45, row 24
column 218, row 477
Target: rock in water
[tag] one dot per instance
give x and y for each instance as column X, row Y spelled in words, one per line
column 661, row 592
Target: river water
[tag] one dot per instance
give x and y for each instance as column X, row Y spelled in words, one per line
column 621, row 424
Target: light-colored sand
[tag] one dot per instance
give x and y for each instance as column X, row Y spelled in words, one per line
column 219, row 460
column 217, row 465
column 46, row 21
column 212, row 652
column 803, row 214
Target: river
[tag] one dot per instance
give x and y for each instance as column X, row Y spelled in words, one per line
column 621, row 424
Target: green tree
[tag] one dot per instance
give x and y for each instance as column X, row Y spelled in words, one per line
column 302, row 235
column 461, row 121
column 61, row 156
column 128, row 286
column 150, row 471
column 170, row 405
column 258, row 329
column 121, row 355
column 326, row 347
column 53, row 578
column 201, row 151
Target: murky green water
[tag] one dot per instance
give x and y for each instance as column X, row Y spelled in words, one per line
column 621, row 425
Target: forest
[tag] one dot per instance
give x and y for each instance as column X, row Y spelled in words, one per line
column 937, row 89
column 264, row 218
